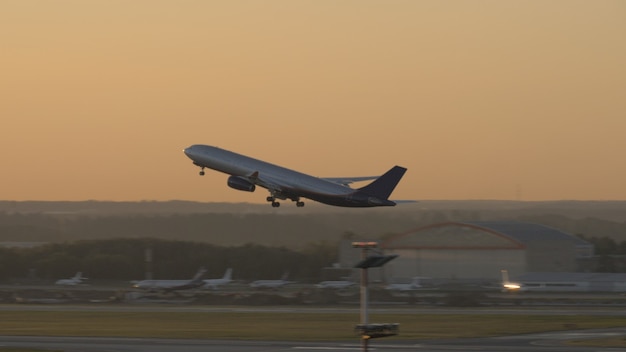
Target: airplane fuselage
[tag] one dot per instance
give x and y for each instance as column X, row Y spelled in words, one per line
column 67, row 282
column 335, row 284
column 284, row 183
column 166, row 284
column 268, row 283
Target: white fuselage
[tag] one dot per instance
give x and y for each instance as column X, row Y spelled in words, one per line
column 415, row 284
column 160, row 284
column 337, row 284
column 282, row 183
column 215, row 283
column 268, row 283
column 240, row 165
column 76, row 280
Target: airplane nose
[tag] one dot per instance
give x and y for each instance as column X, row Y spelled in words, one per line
column 188, row 150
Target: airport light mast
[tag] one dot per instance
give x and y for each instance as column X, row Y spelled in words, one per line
column 365, row 329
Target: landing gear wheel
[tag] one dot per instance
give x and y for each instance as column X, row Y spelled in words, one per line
column 275, row 204
column 202, row 173
column 299, row 204
column 270, row 199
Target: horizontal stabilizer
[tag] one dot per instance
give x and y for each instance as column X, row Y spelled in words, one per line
column 346, row 181
column 404, row 201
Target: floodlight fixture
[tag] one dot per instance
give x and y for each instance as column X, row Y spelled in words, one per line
column 375, row 261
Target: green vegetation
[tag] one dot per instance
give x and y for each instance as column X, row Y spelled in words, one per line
column 281, row 326
column 110, row 238
column 123, row 259
column 606, row 342
column 11, row 349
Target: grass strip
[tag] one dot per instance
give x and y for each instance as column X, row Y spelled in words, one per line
column 284, row 326
column 600, row 342
column 12, row 349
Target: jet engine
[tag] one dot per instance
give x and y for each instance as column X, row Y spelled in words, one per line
column 241, row 184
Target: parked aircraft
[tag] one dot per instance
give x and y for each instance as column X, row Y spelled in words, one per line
column 335, row 284
column 246, row 173
column 214, row 284
column 508, row 286
column 76, row 280
column 172, row 285
column 415, row 284
column 271, row 283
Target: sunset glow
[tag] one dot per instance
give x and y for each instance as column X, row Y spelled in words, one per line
column 480, row 99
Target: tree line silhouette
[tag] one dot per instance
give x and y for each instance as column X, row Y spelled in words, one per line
column 125, row 259
column 610, row 255
column 111, row 245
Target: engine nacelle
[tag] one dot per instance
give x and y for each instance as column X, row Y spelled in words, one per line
column 241, row 184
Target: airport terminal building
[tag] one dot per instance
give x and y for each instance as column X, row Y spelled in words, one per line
column 479, row 250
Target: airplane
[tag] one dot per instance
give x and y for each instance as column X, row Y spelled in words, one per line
column 508, row 286
column 214, row 284
column 415, row 284
column 76, row 280
column 271, row 283
column 172, row 285
column 335, row 284
column 246, row 173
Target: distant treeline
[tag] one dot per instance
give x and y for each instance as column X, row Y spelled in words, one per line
column 291, row 230
column 124, row 259
column 262, row 242
column 606, row 245
column 610, row 254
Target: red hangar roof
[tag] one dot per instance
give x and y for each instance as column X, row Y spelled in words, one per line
column 476, row 235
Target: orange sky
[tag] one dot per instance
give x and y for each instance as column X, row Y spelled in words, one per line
column 478, row 99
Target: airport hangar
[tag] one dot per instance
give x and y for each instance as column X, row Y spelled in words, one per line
column 476, row 251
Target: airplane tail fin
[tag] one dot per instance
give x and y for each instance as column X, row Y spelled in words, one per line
column 505, row 277
column 383, row 186
column 228, row 275
column 416, row 282
column 199, row 275
column 285, row 276
column 78, row 276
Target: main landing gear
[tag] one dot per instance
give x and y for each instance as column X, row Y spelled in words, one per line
column 271, row 199
column 276, row 204
column 201, row 171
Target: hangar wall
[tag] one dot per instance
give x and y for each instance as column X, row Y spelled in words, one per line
column 476, row 251
column 550, row 256
column 455, row 264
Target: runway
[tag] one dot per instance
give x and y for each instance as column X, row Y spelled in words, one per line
column 567, row 310
column 544, row 342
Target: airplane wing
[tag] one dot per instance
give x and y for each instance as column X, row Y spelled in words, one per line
column 264, row 181
column 277, row 188
column 346, row 181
